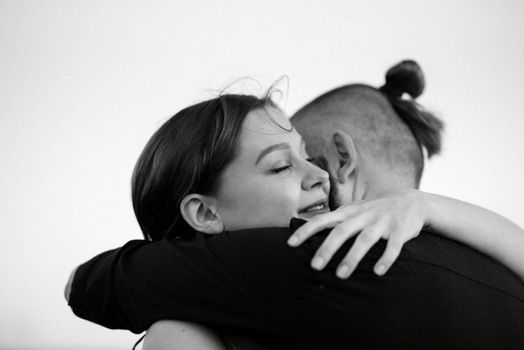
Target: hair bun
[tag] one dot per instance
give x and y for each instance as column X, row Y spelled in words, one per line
column 404, row 77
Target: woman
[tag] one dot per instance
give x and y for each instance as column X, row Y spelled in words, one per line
column 235, row 162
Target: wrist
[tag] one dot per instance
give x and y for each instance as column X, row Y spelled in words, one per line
column 424, row 202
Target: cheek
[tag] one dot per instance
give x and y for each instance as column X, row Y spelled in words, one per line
column 278, row 200
column 259, row 202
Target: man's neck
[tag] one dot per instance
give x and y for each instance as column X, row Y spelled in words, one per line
column 372, row 183
column 379, row 191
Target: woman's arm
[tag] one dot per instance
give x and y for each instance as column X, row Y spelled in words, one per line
column 400, row 217
column 170, row 334
column 477, row 227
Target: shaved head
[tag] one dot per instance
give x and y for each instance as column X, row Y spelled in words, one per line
column 367, row 115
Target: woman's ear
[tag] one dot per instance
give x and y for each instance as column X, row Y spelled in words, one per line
column 200, row 212
column 346, row 154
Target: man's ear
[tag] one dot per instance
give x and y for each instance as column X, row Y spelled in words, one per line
column 346, row 154
column 200, row 212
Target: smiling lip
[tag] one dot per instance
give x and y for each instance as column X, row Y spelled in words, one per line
column 321, row 204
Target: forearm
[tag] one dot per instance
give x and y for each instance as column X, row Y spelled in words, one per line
column 143, row 282
column 477, row 227
column 91, row 294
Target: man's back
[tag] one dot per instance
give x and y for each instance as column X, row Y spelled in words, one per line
column 439, row 294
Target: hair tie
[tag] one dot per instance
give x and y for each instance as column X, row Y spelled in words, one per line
column 391, row 91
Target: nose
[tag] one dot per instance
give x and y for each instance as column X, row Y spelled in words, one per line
column 315, row 177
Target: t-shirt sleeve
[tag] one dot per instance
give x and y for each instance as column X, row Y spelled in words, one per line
column 142, row 282
column 89, row 298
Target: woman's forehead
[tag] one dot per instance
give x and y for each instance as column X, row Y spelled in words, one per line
column 264, row 127
column 267, row 119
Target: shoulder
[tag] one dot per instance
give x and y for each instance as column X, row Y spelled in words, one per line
column 449, row 257
column 261, row 258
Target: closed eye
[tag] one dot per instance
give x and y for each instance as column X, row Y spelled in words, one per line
column 281, row 169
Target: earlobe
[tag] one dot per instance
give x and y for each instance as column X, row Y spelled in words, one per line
column 200, row 212
column 346, row 153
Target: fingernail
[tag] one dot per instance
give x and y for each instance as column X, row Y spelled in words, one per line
column 343, row 272
column 317, row 263
column 380, row 270
column 292, row 241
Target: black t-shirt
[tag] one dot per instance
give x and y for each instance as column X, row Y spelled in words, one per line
column 438, row 294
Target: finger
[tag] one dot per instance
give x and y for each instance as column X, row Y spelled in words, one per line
column 365, row 240
column 387, row 259
column 335, row 239
column 313, row 226
column 317, row 224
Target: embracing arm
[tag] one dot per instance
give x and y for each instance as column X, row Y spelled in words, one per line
column 197, row 280
column 170, row 334
column 113, row 290
column 477, row 227
column 400, row 217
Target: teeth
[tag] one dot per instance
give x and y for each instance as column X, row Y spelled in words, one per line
column 317, row 207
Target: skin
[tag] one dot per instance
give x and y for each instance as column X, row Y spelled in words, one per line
column 272, row 176
column 373, row 201
column 368, row 209
column 283, row 182
column 180, row 335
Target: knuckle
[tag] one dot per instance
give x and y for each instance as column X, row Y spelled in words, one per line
column 395, row 244
column 375, row 230
column 340, row 215
column 347, row 225
column 393, row 251
column 357, row 251
column 365, row 238
column 328, row 247
column 314, row 221
column 338, row 232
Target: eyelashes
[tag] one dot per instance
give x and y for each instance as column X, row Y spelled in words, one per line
column 289, row 166
column 281, row 169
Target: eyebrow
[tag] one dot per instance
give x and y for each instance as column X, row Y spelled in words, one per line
column 272, row 148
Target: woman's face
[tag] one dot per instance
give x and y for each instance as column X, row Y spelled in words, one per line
column 270, row 180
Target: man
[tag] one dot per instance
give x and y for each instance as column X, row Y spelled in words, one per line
column 439, row 294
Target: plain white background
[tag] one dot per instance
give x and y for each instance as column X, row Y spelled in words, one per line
column 84, row 84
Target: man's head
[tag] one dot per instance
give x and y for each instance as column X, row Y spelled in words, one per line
column 370, row 140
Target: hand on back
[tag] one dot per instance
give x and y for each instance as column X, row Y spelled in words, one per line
column 397, row 217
